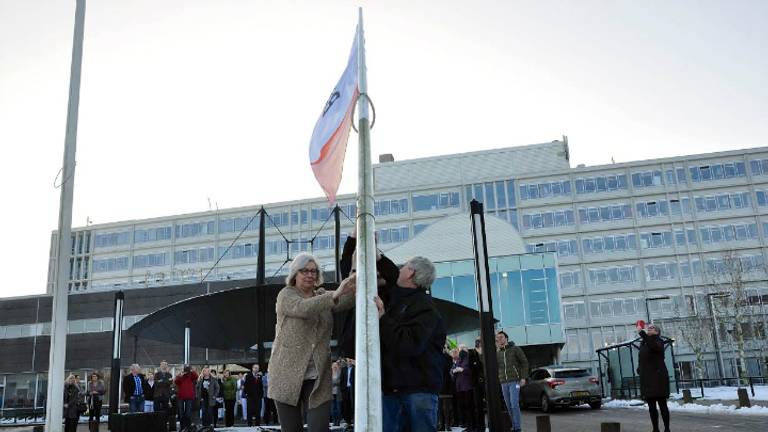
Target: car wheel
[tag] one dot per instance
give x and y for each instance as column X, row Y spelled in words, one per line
column 595, row 405
column 546, row 405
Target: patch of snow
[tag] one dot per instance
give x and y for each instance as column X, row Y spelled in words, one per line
column 725, row 393
column 691, row 408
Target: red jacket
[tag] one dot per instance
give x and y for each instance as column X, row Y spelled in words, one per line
column 185, row 386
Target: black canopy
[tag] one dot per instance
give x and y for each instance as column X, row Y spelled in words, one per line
column 230, row 319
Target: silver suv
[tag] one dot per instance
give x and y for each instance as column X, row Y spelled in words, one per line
column 551, row 386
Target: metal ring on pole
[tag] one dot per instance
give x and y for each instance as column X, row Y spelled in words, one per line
column 55, row 186
column 373, row 112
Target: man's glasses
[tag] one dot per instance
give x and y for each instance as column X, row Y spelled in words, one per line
column 307, row 272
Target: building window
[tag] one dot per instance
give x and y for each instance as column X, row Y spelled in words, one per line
column 612, row 212
column 686, row 236
column 759, row 167
column 190, row 256
column 646, row 179
column 111, row 239
column 152, row 234
column 607, row 183
column 574, row 311
column 612, row 275
column 548, row 219
column 438, row 201
column 719, row 171
column 110, row 264
column 417, row 228
column 656, row 240
column 194, row 229
column 393, row 235
column 150, row 260
column 609, row 243
column 727, row 233
column 660, row 271
column 238, row 224
column 561, row 247
column 391, row 207
column 570, row 279
column 676, row 175
column 550, row 189
column 724, row 201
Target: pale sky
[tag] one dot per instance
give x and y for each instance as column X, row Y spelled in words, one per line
column 183, row 100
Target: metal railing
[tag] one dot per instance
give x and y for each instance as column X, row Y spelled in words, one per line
column 701, row 384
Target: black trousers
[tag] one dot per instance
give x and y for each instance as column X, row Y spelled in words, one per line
column 466, row 402
column 270, row 411
column 662, row 402
column 348, row 405
column 229, row 412
column 94, row 411
column 445, row 412
column 254, row 410
column 70, row 424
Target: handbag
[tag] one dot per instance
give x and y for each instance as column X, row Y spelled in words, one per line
column 82, row 407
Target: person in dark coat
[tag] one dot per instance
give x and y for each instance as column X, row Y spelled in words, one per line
column 162, row 394
column 478, row 375
column 654, row 377
column 445, row 398
column 386, row 272
column 254, row 392
column 412, row 335
column 462, row 377
column 347, row 382
column 71, row 401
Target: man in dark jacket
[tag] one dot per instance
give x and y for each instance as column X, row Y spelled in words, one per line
column 347, row 383
column 513, row 368
column 412, row 336
column 135, row 389
column 162, row 394
column 254, row 392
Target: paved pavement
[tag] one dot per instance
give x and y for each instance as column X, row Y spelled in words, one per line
column 637, row 420
column 583, row 419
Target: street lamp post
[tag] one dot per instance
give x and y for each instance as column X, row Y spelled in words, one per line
column 720, row 364
column 648, row 300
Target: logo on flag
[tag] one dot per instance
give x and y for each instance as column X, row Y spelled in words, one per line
column 329, row 138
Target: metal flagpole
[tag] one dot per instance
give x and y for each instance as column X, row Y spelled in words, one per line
column 484, row 297
column 117, row 343
column 58, row 351
column 367, row 372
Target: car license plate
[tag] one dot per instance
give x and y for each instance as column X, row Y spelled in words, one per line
column 580, row 394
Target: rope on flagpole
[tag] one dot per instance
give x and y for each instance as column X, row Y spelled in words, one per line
column 373, row 111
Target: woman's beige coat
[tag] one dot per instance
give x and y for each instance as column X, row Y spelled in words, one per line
column 303, row 326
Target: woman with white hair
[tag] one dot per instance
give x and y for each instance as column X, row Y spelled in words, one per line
column 71, row 403
column 300, row 365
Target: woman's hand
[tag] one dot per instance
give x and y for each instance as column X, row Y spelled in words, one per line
column 379, row 306
column 347, row 286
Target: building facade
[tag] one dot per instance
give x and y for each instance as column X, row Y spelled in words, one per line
column 625, row 235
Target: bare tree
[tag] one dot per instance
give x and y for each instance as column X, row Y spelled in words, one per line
column 696, row 332
column 728, row 277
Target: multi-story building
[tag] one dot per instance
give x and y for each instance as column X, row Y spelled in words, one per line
column 623, row 233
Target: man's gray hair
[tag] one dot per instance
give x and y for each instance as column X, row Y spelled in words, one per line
column 299, row 262
column 423, row 271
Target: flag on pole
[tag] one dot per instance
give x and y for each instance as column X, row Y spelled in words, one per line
column 329, row 139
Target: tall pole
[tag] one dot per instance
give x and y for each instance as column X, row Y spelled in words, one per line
column 58, row 350
column 367, row 375
column 720, row 365
column 187, row 340
column 337, row 241
column 487, row 336
column 117, row 342
column 260, row 281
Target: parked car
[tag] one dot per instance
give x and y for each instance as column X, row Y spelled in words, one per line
column 551, row 386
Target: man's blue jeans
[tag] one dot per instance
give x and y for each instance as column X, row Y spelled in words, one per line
column 511, row 392
column 410, row 412
column 136, row 404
